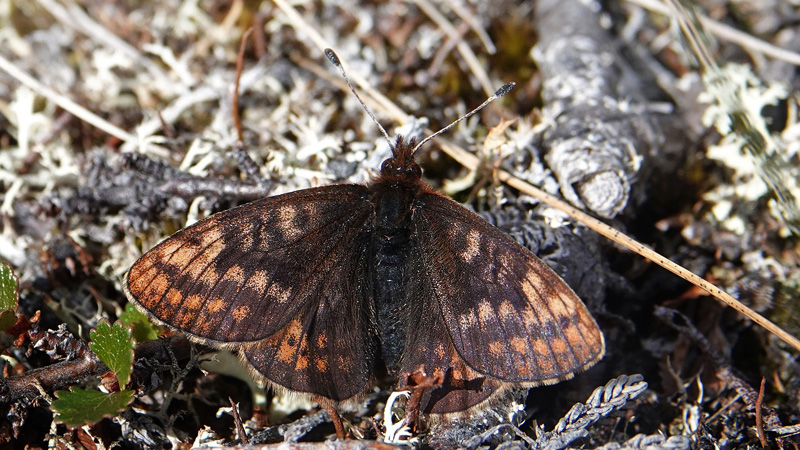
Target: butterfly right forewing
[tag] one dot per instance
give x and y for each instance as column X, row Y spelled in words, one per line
column 507, row 317
column 274, row 279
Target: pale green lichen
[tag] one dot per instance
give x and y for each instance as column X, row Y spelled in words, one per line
column 760, row 160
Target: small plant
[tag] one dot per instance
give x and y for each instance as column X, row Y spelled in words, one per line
column 114, row 345
column 9, row 297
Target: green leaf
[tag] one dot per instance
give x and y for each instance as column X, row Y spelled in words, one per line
column 114, row 346
column 8, row 288
column 143, row 329
column 7, row 319
column 9, row 297
column 78, row 406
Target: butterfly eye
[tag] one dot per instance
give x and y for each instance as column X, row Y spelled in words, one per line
column 386, row 166
column 414, row 171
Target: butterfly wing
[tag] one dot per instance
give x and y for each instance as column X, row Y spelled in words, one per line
column 278, row 279
column 508, row 317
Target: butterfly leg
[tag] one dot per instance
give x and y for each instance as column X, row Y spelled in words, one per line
column 335, row 418
column 417, row 382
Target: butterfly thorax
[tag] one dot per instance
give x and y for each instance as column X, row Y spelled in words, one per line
column 394, row 192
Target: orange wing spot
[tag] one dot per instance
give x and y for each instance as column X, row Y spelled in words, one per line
column 519, row 345
column 286, row 352
column 322, row 364
column 304, row 343
column 529, row 289
column 174, row 297
column 235, row 273
column 214, row 306
column 507, row 310
column 546, row 362
column 212, row 236
column 322, row 341
column 485, row 311
column 460, row 372
column 467, row 320
column 247, row 242
column 439, row 351
column 559, row 346
column 278, row 293
column 294, row 329
column 573, row 334
column 535, row 301
column 541, row 348
column 496, row 349
column 213, row 274
column 292, row 342
column 473, row 245
column 287, row 215
column 241, row 313
column 159, row 285
column 167, row 248
column 504, row 260
column 562, row 308
column 201, row 326
column 182, row 256
column 344, row 363
column 245, row 226
column 196, row 268
column 290, row 232
column 302, row 363
column 139, row 279
column 529, row 317
column 257, row 281
column 455, row 360
column 193, row 303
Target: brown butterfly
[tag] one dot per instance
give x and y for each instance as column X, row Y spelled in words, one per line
column 320, row 290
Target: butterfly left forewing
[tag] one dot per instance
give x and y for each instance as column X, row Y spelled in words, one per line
column 276, row 279
column 505, row 314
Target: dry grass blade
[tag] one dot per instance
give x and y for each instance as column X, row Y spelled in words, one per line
column 469, row 56
column 467, row 16
column 382, row 102
column 239, row 66
column 74, row 17
column 762, row 435
column 729, row 33
column 65, row 102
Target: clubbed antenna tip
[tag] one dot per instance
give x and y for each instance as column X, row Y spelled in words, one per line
column 331, row 55
column 334, row 59
column 504, row 89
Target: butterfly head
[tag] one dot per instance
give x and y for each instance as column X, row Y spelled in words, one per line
column 402, row 164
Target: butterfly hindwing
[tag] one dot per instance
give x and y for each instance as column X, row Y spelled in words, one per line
column 498, row 310
column 276, row 278
column 327, row 348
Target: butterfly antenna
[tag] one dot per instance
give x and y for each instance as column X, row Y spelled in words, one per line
column 505, row 89
column 335, row 61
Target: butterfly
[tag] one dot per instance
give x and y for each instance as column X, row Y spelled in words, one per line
column 321, row 290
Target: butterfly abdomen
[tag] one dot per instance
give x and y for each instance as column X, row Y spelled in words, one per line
column 392, row 243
